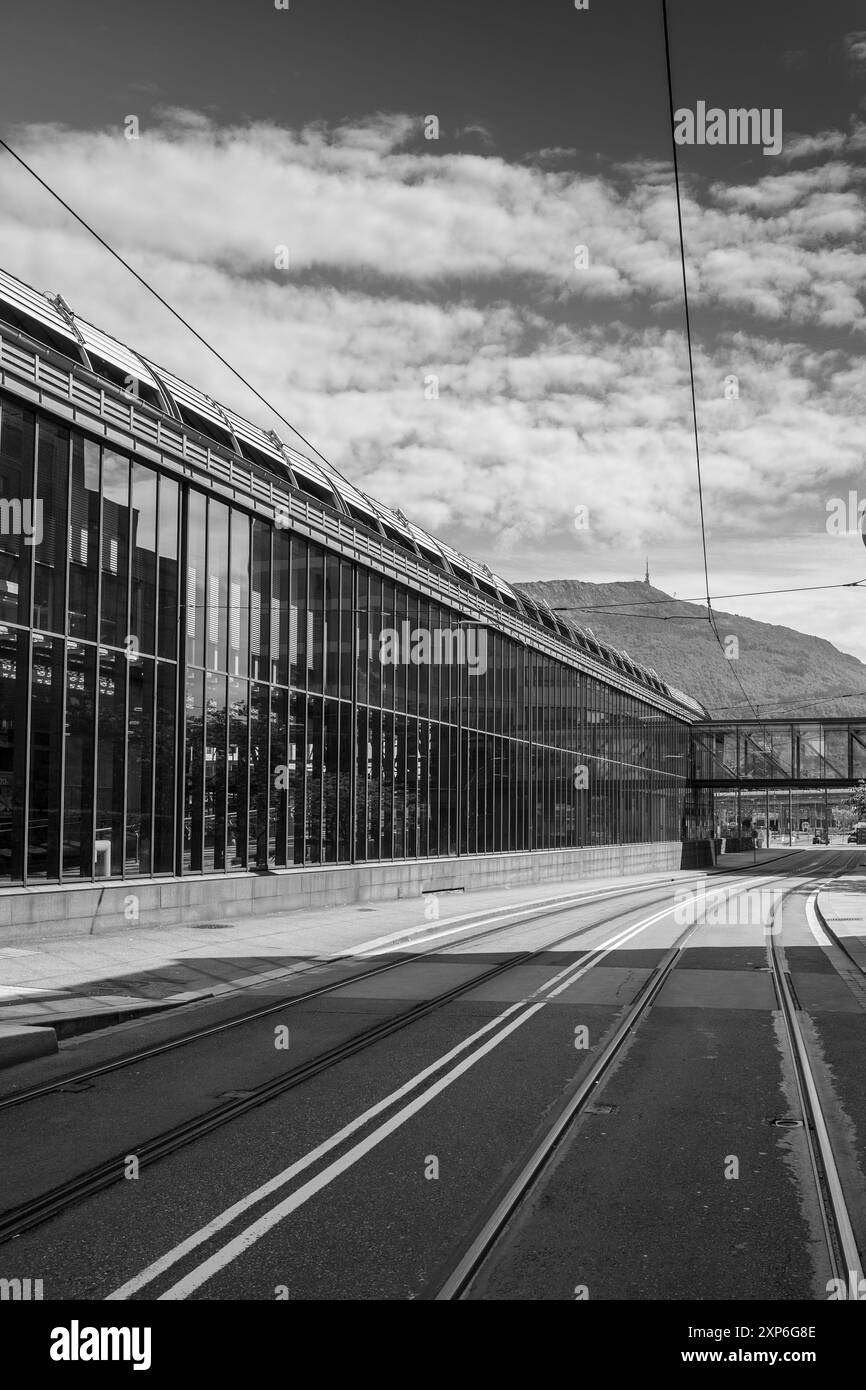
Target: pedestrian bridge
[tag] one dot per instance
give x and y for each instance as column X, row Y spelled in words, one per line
column 804, row 753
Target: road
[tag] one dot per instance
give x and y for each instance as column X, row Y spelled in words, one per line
column 363, row 1143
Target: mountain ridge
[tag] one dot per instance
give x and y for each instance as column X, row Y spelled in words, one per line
column 785, row 672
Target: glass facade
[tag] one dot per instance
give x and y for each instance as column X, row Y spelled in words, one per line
column 185, row 689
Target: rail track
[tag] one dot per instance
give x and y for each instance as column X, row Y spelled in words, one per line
column 845, row 1258
column 53, row 1202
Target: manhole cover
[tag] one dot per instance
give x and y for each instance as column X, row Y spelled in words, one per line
column 210, row 926
column 786, row 1122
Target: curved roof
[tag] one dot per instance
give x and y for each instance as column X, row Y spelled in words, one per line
column 51, row 321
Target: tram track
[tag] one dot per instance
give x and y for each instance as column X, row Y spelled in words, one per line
column 455, row 1283
column 53, row 1202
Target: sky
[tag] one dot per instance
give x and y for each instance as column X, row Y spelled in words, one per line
column 418, row 307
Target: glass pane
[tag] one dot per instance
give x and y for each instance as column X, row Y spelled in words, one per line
column 164, row 793
column 115, row 548
column 344, row 807
column 810, row 747
column 238, row 770
column 314, row 781
column 52, row 482
column 111, row 729
column 330, row 773
column 316, row 620
column 331, row 636
column 217, row 586
column 374, row 783
column 13, row 751
column 16, row 512
column 301, row 621
column 142, row 618
column 139, row 769
column 83, row 539
column 193, row 808
column 281, row 780
column 239, row 596
column 195, row 579
column 168, row 568
column 836, row 750
column 260, row 602
column 346, row 629
column 46, row 746
column 259, row 779
column 361, row 785
column 78, row 776
column 215, row 774
column 297, row 735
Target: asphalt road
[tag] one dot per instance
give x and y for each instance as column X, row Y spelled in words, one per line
column 369, row 1180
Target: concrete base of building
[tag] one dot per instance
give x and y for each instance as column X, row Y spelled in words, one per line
column 47, row 912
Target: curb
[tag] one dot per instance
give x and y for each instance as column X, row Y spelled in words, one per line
column 22, row 1042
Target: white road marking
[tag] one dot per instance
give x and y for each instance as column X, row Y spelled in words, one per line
column 814, row 925
column 477, row 919
column 208, row 1268
column 229, row 1252
column 275, row 1183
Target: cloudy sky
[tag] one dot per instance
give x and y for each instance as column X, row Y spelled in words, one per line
column 410, row 258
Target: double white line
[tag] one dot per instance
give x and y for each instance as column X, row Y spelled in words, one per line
column 506, row 1023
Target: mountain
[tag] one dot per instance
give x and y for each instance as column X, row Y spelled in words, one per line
column 784, row 672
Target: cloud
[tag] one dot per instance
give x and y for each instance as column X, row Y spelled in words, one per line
column 855, row 49
column 557, row 387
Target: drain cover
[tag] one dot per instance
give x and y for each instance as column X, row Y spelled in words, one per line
column 786, row 1122
column 601, row 1109
column 234, row 1095
column 75, row 1086
column 210, row 926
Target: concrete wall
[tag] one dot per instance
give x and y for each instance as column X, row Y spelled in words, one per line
column 90, row 909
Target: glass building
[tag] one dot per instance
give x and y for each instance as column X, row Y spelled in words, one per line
column 217, row 655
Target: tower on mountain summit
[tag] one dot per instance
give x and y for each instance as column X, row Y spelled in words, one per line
column 646, row 578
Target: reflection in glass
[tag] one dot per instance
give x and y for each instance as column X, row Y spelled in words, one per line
column 78, row 772
column 46, row 747
column 142, row 619
column 111, row 727
column 167, row 622
column 215, row 773
column 52, row 482
column 238, row 771
column 16, row 491
column 83, row 539
column 139, row 769
column 13, row 752
column 115, row 549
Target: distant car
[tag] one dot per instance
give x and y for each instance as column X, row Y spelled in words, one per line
column 852, row 838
